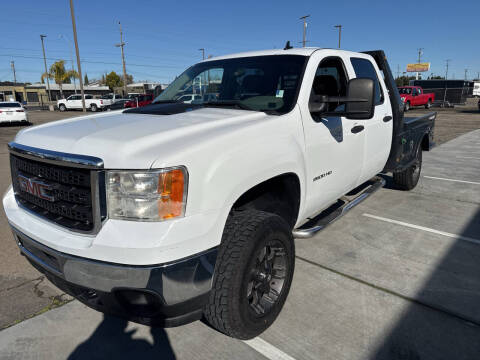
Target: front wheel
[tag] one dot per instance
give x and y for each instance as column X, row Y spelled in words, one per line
column 407, row 106
column 408, row 178
column 62, row 107
column 253, row 274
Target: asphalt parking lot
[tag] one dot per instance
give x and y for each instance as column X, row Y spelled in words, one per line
column 396, row 278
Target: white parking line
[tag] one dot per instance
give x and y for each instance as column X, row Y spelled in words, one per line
column 267, row 349
column 455, row 236
column 444, row 179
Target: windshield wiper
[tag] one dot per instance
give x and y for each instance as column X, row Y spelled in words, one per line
column 228, row 103
column 165, row 102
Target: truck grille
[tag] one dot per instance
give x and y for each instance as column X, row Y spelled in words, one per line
column 61, row 194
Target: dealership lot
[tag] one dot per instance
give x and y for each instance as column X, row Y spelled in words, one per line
column 396, row 278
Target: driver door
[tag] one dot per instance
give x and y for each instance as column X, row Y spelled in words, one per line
column 334, row 144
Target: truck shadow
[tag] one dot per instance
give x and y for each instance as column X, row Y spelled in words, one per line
column 112, row 340
column 443, row 319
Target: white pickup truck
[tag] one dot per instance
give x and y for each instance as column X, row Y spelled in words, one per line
column 74, row 102
column 175, row 211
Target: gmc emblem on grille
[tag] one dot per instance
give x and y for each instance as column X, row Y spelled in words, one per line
column 35, row 187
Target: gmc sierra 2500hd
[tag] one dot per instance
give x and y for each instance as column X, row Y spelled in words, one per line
column 173, row 211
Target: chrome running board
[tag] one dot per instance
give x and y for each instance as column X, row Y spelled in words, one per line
column 337, row 210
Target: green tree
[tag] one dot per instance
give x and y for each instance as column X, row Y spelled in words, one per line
column 58, row 73
column 112, row 80
column 85, row 79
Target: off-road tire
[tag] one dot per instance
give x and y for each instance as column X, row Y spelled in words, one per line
column 428, row 105
column 93, row 108
column 408, row 178
column 246, row 233
column 62, row 107
column 406, row 106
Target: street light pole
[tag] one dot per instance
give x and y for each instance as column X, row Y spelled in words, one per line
column 121, row 45
column 79, row 66
column 304, row 18
column 71, row 58
column 46, row 70
column 203, row 53
column 446, row 78
column 339, row 27
column 419, row 60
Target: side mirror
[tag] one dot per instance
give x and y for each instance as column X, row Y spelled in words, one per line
column 359, row 102
column 360, row 94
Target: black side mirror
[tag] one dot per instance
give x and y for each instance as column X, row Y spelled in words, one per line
column 359, row 102
column 360, row 94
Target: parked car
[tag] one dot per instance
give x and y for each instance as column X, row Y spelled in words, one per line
column 139, row 101
column 119, row 104
column 415, row 96
column 74, row 102
column 168, row 213
column 110, row 99
column 12, row 111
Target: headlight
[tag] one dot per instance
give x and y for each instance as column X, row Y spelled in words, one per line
column 153, row 195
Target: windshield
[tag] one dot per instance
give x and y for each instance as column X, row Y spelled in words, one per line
column 107, row 97
column 405, row 91
column 260, row 83
column 10, row 104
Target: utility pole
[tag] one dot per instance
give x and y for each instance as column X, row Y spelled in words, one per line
column 398, row 71
column 79, row 66
column 419, row 60
column 447, row 62
column 466, row 72
column 71, row 58
column 203, row 53
column 339, row 27
column 14, row 74
column 304, row 18
column 121, row 45
column 46, row 70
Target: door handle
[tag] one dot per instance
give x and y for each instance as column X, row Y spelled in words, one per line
column 357, row 129
column 387, row 118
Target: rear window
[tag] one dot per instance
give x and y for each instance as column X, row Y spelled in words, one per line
column 364, row 69
column 10, row 105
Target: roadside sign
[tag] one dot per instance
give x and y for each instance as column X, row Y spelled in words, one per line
column 420, row 67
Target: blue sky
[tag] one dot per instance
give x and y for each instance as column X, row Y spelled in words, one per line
column 163, row 37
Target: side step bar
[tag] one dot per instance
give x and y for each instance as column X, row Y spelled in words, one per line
column 336, row 211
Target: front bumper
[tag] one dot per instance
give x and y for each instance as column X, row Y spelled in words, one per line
column 166, row 295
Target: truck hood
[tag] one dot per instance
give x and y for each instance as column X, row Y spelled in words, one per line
column 136, row 140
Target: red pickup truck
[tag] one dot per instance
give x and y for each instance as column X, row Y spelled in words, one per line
column 414, row 96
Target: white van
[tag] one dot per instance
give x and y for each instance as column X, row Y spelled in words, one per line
column 476, row 89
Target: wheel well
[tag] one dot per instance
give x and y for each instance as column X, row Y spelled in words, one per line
column 279, row 195
column 425, row 143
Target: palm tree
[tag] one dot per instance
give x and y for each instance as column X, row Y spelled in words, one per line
column 59, row 74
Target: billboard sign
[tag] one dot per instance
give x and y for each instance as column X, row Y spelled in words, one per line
column 421, row 67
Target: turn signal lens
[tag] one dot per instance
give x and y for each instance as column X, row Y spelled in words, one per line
column 171, row 189
column 154, row 195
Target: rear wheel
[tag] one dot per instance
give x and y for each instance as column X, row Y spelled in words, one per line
column 408, row 178
column 428, row 105
column 93, row 108
column 62, row 107
column 253, row 274
column 407, row 106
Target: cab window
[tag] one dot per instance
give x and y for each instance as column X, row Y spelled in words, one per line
column 330, row 80
column 364, row 69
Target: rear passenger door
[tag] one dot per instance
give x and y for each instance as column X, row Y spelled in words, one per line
column 378, row 129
